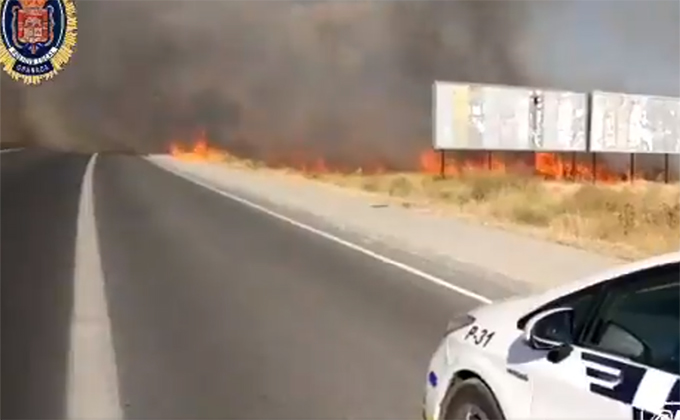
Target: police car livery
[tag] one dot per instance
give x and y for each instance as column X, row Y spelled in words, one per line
column 607, row 347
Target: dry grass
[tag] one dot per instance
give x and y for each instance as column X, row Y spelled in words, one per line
column 626, row 220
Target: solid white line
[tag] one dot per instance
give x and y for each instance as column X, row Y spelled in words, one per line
column 409, row 269
column 11, row 150
column 93, row 377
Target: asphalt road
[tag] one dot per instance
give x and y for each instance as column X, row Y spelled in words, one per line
column 215, row 310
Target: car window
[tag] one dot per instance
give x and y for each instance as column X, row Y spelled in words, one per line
column 582, row 305
column 640, row 321
column 582, row 308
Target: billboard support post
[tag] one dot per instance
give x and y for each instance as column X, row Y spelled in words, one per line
column 573, row 173
column 631, row 169
column 442, row 164
column 594, row 167
column 666, row 168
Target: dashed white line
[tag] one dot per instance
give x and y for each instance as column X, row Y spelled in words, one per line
column 92, row 374
column 382, row 258
column 18, row 149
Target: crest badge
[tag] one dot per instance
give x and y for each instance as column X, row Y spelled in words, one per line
column 38, row 38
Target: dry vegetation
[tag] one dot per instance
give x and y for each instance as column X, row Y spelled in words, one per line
column 625, row 220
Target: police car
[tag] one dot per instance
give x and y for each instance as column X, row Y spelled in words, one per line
column 607, row 347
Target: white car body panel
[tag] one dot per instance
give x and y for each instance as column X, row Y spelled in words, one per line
column 550, row 389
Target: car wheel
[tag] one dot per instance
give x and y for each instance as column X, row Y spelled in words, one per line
column 471, row 400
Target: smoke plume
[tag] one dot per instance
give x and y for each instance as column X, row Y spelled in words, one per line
column 349, row 80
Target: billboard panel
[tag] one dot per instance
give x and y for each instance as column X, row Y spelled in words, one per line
column 634, row 123
column 492, row 117
column 560, row 124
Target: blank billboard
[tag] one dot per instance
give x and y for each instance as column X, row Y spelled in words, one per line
column 634, row 123
column 493, row 117
column 561, row 121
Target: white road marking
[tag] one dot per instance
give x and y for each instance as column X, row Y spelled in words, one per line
column 11, row 150
column 92, row 374
column 409, row 269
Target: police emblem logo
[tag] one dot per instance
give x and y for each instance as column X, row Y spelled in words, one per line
column 38, row 38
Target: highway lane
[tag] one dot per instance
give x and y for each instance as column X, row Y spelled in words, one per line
column 216, row 310
column 38, row 211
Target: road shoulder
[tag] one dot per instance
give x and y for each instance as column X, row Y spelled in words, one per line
column 508, row 260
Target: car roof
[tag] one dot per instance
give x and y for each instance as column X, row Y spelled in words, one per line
column 616, row 271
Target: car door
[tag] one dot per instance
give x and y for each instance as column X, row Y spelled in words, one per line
column 560, row 390
column 633, row 345
column 623, row 360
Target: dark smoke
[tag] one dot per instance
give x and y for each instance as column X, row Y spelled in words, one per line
column 345, row 79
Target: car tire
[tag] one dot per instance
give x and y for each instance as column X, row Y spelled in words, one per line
column 470, row 399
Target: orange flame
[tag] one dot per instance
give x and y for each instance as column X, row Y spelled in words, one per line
column 302, row 161
column 312, row 164
column 550, row 166
column 199, row 152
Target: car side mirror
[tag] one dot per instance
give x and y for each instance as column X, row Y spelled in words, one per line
column 550, row 329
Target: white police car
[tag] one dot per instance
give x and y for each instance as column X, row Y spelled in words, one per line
column 607, row 347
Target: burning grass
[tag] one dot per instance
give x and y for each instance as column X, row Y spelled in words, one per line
column 628, row 220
